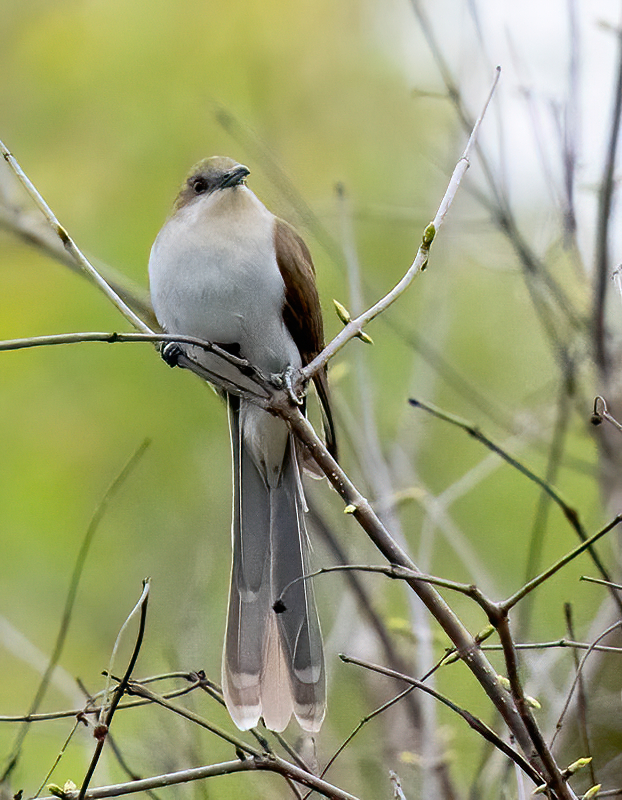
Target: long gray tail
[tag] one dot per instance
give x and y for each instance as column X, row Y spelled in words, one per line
column 273, row 663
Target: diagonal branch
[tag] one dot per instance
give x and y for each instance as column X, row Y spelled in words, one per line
column 474, row 722
column 570, row 513
column 70, row 246
column 355, row 327
column 361, row 509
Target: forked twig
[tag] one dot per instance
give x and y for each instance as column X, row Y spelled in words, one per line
column 474, row 722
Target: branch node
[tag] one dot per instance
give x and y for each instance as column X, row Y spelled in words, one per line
column 100, row 732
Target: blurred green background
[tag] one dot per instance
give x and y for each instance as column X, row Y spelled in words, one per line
column 107, row 105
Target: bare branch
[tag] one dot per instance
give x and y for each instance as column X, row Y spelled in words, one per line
column 570, row 513
column 555, row 780
column 70, row 245
column 558, row 643
column 355, row 327
column 102, row 729
column 69, row 604
column 579, row 671
column 474, row 722
column 544, row 576
column 267, row 763
column 605, row 202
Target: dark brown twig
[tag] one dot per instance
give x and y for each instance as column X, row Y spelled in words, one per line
column 74, row 583
column 474, row 722
column 570, row 513
column 101, row 730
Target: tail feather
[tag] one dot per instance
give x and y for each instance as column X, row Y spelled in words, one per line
column 298, row 622
column 273, row 664
column 249, row 592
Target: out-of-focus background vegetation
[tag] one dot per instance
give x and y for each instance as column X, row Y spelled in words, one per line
column 107, row 105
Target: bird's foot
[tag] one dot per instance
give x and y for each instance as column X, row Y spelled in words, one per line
column 170, row 352
column 288, row 381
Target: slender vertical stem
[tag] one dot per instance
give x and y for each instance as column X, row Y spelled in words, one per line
column 605, row 204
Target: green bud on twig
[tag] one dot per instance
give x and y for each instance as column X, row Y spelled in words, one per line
column 428, row 235
column 68, row 789
column 365, row 337
column 580, row 763
column 485, row 633
column 342, row 312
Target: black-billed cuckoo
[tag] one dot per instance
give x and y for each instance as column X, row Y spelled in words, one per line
column 224, row 269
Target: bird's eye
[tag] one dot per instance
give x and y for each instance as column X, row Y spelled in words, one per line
column 199, row 185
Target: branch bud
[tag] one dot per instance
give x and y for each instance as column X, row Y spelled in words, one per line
column 342, row 312
column 580, row 763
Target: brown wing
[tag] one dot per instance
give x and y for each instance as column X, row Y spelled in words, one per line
column 302, row 313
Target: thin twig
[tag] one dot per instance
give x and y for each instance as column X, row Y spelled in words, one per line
column 531, row 585
column 74, row 583
column 61, row 753
column 555, row 778
column 114, row 337
column 70, row 245
column 557, row 644
column 377, row 711
column 586, row 748
column 96, row 710
column 608, row 584
column 605, row 202
column 586, row 655
column 268, row 763
column 570, row 513
column 102, row 729
column 474, row 722
column 355, row 327
column 391, row 571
